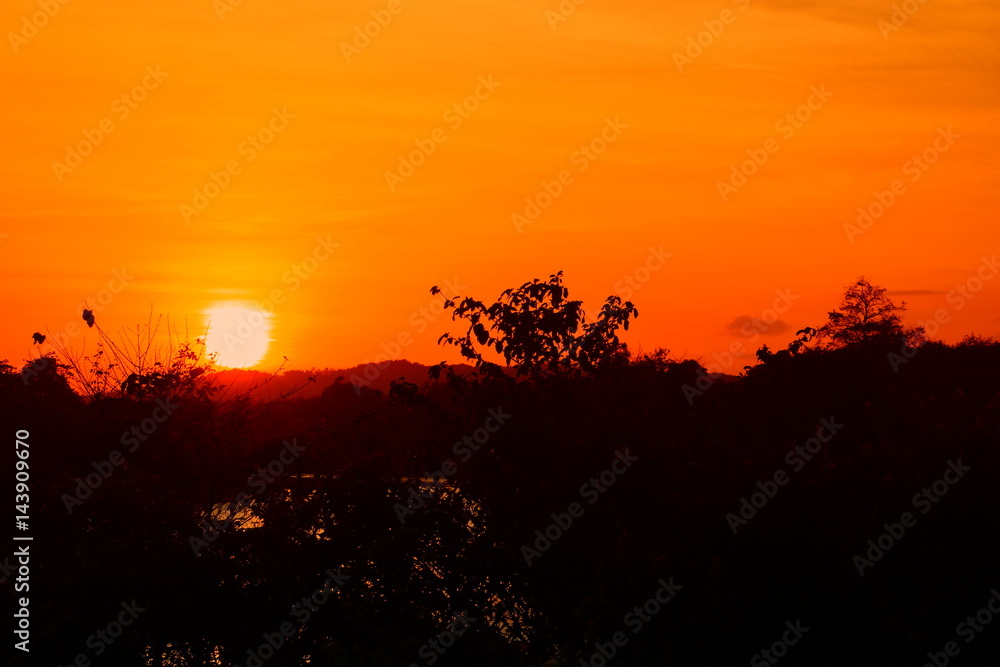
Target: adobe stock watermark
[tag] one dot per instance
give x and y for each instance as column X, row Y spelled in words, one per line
column 31, row 24
column 463, row 449
column 258, row 482
column 419, row 320
column 634, row 280
column 754, row 327
column 581, row 159
column 924, row 501
column 364, row 34
column 779, row 649
column 797, row 458
column 562, row 12
column 103, row 638
column 725, row 360
column 900, row 15
column 297, row 274
column 254, row 319
column 967, row 629
column 696, row 44
column 958, row 298
column 454, row 116
column 592, row 491
column 35, row 368
column 121, row 108
column 301, row 611
column 23, row 585
column 787, row 126
column 248, row 150
column 914, row 168
column 635, row 620
column 432, row 651
column 223, row 7
column 130, row 440
column 301, row 271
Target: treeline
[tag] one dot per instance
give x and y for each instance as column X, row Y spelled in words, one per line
column 826, row 506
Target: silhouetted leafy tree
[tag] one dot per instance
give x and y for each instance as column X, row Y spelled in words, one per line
column 866, row 314
column 537, row 328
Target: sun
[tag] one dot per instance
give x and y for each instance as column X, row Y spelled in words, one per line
column 238, row 335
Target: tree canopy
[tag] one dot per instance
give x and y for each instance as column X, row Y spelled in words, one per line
column 537, row 328
column 866, row 314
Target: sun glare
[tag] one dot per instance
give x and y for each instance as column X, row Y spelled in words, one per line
column 238, row 335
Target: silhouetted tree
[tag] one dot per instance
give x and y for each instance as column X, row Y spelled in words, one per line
column 537, row 328
column 976, row 341
column 764, row 353
column 866, row 314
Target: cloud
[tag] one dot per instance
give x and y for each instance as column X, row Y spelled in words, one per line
column 748, row 326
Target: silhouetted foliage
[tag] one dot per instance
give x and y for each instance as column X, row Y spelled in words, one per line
column 866, row 314
column 537, row 329
column 440, row 499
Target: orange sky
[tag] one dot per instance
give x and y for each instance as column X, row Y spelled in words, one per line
column 339, row 117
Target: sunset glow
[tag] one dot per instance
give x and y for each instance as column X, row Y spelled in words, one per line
column 211, row 148
column 494, row 332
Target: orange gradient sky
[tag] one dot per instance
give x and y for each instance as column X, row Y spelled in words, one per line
column 337, row 119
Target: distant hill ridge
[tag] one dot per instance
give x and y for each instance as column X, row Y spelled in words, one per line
column 370, row 376
column 268, row 387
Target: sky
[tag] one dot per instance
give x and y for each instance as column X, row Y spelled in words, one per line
column 328, row 163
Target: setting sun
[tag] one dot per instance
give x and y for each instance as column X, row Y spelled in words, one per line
column 238, row 335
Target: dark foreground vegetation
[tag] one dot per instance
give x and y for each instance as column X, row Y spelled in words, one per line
column 835, row 505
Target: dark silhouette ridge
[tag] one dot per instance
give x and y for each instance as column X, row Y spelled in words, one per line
column 548, row 508
column 380, row 378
